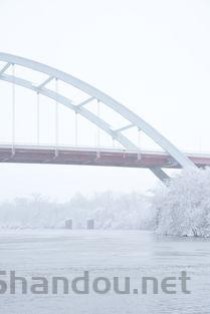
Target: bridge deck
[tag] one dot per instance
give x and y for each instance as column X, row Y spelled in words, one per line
column 94, row 157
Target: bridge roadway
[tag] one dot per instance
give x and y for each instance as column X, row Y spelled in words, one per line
column 94, row 156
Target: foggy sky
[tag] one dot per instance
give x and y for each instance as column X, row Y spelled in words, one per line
column 153, row 56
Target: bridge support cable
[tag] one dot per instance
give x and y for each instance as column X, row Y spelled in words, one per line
column 139, row 143
column 56, row 119
column 98, row 141
column 13, row 109
column 38, row 117
column 113, row 142
column 76, row 128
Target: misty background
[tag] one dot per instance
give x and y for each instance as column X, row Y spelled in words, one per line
column 153, row 56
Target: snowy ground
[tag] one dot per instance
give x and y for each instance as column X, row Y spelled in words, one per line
column 105, row 253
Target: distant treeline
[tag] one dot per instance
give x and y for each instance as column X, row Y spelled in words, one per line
column 108, row 210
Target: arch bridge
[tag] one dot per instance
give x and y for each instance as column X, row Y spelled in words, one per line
column 128, row 155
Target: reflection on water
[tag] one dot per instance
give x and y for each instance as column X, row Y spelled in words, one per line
column 133, row 254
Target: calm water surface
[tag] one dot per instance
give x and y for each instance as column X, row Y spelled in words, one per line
column 133, row 254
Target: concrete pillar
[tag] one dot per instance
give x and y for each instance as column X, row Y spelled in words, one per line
column 90, row 224
column 69, row 224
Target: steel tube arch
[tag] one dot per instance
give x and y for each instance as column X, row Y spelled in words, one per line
column 66, row 102
column 95, row 93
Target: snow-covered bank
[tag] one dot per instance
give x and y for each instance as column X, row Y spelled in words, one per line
column 108, row 210
column 183, row 207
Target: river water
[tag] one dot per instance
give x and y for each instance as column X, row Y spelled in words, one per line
column 133, row 254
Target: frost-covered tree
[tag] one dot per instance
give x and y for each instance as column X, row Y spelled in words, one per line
column 182, row 208
column 109, row 211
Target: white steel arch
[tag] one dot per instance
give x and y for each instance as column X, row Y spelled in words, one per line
column 94, row 93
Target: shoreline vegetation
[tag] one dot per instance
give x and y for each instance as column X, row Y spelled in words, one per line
column 182, row 208
column 179, row 209
column 108, row 210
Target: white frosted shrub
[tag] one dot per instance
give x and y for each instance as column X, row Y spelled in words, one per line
column 183, row 207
